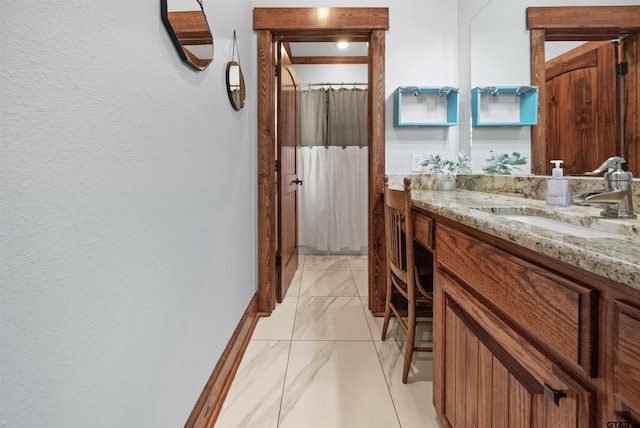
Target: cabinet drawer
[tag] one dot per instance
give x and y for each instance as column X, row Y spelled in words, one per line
column 423, row 230
column 627, row 356
column 548, row 308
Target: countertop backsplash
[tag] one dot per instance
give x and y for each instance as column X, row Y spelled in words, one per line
column 525, row 186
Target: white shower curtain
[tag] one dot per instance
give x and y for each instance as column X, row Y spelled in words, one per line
column 332, row 202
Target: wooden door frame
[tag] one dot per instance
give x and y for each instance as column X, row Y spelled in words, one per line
column 313, row 25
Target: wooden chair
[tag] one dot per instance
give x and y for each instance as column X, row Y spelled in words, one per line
column 402, row 274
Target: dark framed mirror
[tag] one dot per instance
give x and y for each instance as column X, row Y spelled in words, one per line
column 235, row 85
column 235, row 79
column 188, row 28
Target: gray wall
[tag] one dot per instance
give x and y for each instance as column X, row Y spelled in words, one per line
column 128, row 211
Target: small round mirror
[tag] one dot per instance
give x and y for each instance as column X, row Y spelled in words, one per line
column 235, row 85
column 188, row 28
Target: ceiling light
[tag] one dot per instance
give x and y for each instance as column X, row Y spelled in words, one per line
column 342, row 45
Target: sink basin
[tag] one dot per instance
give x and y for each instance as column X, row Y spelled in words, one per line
column 562, row 227
column 578, row 222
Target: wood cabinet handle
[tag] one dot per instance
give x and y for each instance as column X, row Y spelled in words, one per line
column 553, row 394
column 297, row 182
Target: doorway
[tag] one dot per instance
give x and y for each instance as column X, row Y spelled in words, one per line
column 332, row 149
column 275, row 25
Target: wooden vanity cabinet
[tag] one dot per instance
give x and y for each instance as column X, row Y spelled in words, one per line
column 524, row 340
column 495, row 378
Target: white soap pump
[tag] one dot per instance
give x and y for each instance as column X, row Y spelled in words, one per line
column 558, row 187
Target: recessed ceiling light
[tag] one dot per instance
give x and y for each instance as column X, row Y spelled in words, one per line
column 342, row 45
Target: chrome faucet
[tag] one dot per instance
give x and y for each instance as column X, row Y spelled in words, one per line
column 616, row 195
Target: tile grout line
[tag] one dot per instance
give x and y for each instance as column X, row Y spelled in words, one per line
column 377, row 351
column 386, row 381
column 384, row 376
column 371, row 340
column 286, row 370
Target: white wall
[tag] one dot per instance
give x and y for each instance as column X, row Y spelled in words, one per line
column 333, row 73
column 499, row 56
column 128, row 219
column 421, row 50
column 467, row 9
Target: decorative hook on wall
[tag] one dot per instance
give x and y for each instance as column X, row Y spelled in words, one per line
column 446, row 90
column 526, row 90
column 411, row 89
column 234, row 48
column 489, row 90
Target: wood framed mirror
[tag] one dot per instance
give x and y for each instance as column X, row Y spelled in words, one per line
column 234, row 78
column 188, row 28
column 235, row 85
column 588, row 23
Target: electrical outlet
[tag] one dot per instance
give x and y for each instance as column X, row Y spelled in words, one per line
column 416, row 163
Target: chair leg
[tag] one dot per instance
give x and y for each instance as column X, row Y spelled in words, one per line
column 408, row 352
column 387, row 307
column 411, row 334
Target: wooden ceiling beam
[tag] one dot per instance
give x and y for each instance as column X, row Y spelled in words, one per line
column 300, row 19
column 580, row 36
column 311, row 36
column 583, row 20
column 191, row 27
column 330, row 60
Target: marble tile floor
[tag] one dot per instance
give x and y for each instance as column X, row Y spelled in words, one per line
column 318, row 360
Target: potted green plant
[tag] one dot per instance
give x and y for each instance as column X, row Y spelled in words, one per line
column 445, row 170
column 504, row 163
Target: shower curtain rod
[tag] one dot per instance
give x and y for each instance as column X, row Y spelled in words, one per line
column 334, row 84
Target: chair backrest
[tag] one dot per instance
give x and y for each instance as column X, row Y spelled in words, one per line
column 399, row 231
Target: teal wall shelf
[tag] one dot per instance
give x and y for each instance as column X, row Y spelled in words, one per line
column 415, row 106
column 504, row 106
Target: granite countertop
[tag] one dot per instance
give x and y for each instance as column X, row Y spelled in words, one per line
column 615, row 258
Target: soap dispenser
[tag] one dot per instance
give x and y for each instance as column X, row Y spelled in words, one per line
column 557, row 187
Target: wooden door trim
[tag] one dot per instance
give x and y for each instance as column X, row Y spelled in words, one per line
column 267, row 238
column 377, row 250
column 282, row 24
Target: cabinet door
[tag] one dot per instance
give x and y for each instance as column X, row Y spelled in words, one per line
column 626, row 368
column 487, row 386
